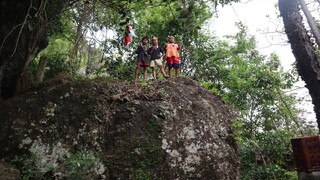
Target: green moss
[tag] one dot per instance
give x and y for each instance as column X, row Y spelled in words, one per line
column 161, row 93
column 147, row 162
column 147, row 87
column 140, row 156
column 141, row 174
column 154, row 127
column 151, row 151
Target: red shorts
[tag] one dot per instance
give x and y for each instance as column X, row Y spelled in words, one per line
column 127, row 40
column 173, row 60
column 142, row 64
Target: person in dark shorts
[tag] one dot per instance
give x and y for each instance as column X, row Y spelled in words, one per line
column 172, row 56
column 156, row 54
column 142, row 58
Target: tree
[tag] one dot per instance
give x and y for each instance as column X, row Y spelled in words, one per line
column 254, row 85
column 25, row 26
column 307, row 61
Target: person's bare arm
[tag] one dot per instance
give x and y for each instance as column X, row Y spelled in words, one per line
column 138, row 49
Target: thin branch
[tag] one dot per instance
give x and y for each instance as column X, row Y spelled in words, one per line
column 294, row 119
column 295, row 89
column 311, row 22
column 41, row 9
column 4, row 40
column 246, row 2
column 24, row 22
column 34, row 49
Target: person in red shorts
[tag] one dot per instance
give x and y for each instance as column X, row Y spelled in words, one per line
column 172, row 56
column 143, row 60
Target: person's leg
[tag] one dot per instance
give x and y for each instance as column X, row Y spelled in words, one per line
column 169, row 63
column 170, row 71
column 162, row 71
column 153, row 66
column 145, row 73
column 176, row 65
column 136, row 74
column 177, row 72
column 154, row 73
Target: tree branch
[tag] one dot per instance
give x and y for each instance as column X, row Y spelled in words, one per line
column 24, row 22
column 313, row 26
column 4, row 40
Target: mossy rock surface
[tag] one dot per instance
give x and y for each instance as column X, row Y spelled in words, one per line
column 165, row 129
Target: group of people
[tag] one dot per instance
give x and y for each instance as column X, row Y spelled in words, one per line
column 152, row 57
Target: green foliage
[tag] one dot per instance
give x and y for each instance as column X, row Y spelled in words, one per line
column 53, row 13
column 76, row 166
column 82, row 21
column 266, row 155
column 122, row 70
column 56, row 53
column 254, row 85
column 180, row 18
column 32, row 167
column 79, row 164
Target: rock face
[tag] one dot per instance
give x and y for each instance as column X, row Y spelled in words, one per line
column 170, row 129
column 7, row 172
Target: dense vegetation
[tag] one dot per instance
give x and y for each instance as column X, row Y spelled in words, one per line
column 87, row 42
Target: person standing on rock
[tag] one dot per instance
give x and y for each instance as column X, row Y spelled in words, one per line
column 156, row 54
column 172, row 56
column 143, row 60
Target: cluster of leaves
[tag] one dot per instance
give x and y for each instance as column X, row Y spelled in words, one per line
column 82, row 21
column 75, row 166
column 78, row 165
column 254, row 85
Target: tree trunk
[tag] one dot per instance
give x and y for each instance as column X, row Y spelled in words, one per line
column 41, row 70
column 23, row 33
column 313, row 26
column 306, row 59
column 77, row 40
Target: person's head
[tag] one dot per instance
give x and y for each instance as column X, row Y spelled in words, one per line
column 144, row 40
column 154, row 40
column 171, row 39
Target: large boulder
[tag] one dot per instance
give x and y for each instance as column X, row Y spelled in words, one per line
column 104, row 129
column 8, row 172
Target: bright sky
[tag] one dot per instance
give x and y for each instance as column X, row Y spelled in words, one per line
column 261, row 18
